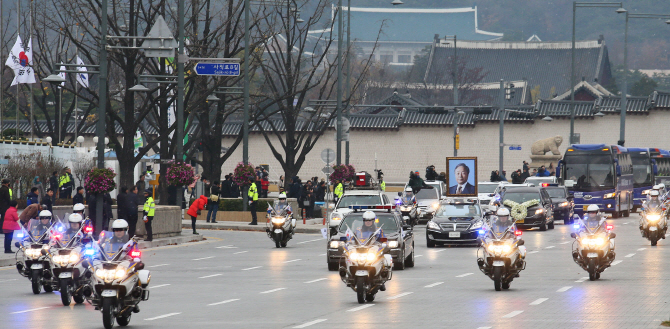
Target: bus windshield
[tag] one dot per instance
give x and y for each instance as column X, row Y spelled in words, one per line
column 641, row 169
column 590, row 172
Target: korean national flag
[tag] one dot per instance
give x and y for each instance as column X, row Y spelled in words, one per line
column 349, row 234
column 82, row 78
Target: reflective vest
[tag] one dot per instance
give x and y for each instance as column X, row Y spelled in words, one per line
column 339, row 190
column 149, row 207
column 10, row 193
column 64, row 179
column 383, row 186
column 253, row 192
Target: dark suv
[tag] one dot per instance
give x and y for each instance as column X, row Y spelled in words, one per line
column 564, row 206
column 540, row 215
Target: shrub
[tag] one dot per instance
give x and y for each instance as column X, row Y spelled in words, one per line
column 100, row 180
column 180, row 174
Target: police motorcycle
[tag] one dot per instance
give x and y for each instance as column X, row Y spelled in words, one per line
column 280, row 226
column 503, row 251
column 35, row 263
column 653, row 219
column 119, row 281
column 366, row 266
column 594, row 247
column 70, row 263
column 406, row 204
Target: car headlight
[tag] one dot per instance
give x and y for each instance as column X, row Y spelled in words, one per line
column 334, row 244
column 609, row 195
column 336, row 217
column 278, row 220
column 433, row 225
column 477, row 225
column 435, row 205
column 393, row 244
column 653, row 218
column 645, row 192
column 539, row 211
column 564, row 204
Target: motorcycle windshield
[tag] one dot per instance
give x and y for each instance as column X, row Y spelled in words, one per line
column 592, row 225
column 111, row 242
column 279, row 208
column 652, row 207
column 58, row 234
column 407, row 199
column 500, row 227
column 37, row 228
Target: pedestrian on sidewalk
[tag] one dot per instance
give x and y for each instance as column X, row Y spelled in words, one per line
column 141, row 186
column 131, row 211
column 121, row 202
column 213, row 202
column 53, row 184
column 47, row 200
column 5, row 198
column 79, row 196
column 10, row 225
column 194, row 210
column 30, row 212
column 226, row 187
column 33, row 196
column 37, row 182
column 265, row 185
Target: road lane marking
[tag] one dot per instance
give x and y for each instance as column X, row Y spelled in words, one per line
column 209, row 276
column 240, row 252
column 512, row 314
column 630, row 255
column 355, row 309
column 322, row 254
column 539, row 301
column 223, row 302
column 161, row 316
column 484, row 328
column 564, row 289
column 626, row 223
column 464, row 275
column 534, row 251
column 226, row 247
column 641, row 249
column 616, row 262
column 7, row 280
column 441, row 250
column 159, row 265
column 291, row 261
column 204, row 258
column 271, row 291
column 317, row 280
column 550, row 247
column 400, row 295
column 433, row 284
column 417, row 256
column 160, row 285
column 251, row 268
column 582, row 279
column 305, row 325
column 34, row 309
column 565, row 242
column 309, row 241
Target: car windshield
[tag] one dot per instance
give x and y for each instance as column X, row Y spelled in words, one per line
column 355, row 221
column 427, row 194
column 556, row 193
column 486, row 188
column 641, row 169
column 458, row 210
column 521, row 197
column 590, row 172
column 359, row 200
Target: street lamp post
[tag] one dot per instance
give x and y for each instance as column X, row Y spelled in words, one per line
column 454, row 79
column 576, row 5
column 624, row 91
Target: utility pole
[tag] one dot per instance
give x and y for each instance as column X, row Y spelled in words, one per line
column 501, row 116
column 102, row 98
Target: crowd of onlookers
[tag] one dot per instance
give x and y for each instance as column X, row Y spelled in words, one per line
column 519, row 176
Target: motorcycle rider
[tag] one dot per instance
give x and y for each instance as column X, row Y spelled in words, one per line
column 75, row 224
column 79, row 209
column 369, row 226
column 119, row 238
column 594, row 219
column 501, row 222
column 654, row 202
column 282, row 205
column 408, row 198
column 44, row 224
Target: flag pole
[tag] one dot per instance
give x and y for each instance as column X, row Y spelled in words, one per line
column 2, row 82
column 30, row 86
column 18, row 105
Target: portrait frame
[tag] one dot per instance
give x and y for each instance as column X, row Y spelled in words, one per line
column 470, row 185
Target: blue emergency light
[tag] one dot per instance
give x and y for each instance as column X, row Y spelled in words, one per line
column 575, row 226
column 19, row 235
column 482, row 232
column 89, row 252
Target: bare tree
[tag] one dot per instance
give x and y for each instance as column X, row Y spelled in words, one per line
column 81, row 166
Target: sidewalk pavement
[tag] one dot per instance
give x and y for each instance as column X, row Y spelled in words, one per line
column 313, row 226
column 186, row 237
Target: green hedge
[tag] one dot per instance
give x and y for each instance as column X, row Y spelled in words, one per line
column 236, row 205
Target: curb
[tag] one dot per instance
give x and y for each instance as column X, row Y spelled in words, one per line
column 249, row 228
column 7, row 262
column 173, row 240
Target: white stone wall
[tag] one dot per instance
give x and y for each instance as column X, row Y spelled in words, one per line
column 414, row 148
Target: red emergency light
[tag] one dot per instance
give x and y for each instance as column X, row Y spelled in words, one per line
column 135, row 254
column 609, row 227
column 545, row 184
column 88, row 229
column 57, row 236
column 518, row 233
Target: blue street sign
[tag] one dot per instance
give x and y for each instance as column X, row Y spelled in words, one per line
column 515, row 148
column 220, row 69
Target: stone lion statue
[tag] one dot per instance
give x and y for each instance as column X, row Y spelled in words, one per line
column 543, row 146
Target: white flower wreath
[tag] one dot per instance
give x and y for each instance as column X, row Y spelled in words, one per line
column 520, row 211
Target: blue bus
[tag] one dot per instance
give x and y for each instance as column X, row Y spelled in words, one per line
column 644, row 172
column 598, row 174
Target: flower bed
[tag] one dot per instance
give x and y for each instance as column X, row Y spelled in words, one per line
column 100, row 180
column 180, row 174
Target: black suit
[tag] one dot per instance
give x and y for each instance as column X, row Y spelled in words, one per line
column 467, row 189
column 4, row 202
column 131, row 212
column 78, row 198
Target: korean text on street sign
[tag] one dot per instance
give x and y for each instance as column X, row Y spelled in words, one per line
column 221, row 69
column 458, row 142
column 515, row 147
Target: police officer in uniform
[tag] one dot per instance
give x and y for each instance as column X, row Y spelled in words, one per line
column 339, row 190
column 253, row 199
column 149, row 212
column 119, row 238
column 65, row 184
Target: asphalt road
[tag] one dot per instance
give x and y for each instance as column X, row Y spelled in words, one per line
column 239, row 280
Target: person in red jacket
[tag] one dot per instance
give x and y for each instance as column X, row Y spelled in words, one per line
column 198, row 204
column 265, row 184
column 10, row 225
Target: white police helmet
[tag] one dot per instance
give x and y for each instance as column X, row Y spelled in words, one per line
column 282, row 196
column 653, row 193
column 120, row 224
column 502, row 212
column 75, row 218
column 408, row 190
column 78, row 207
column 593, row 207
column 45, row 213
column 369, row 215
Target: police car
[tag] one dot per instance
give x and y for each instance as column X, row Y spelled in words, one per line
column 356, row 197
column 399, row 237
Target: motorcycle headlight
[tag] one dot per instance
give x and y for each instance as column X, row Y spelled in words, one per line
column 539, row 211
column 433, row 225
column 393, row 244
column 336, row 217
column 334, row 244
column 563, row 204
column 74, row 258
column 278, row 220
column 653, row 218
column 120, row 273
column 370, row 256
column 405, row 208
column 609, row 195
column 33, row 253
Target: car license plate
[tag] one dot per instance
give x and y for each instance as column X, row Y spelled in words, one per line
column 108, row 293
column 584, row 208
column 653, row 228
column 592, row 255
column 454, row 234
column 36, row 267
column 65, row 275
column 519, row 221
